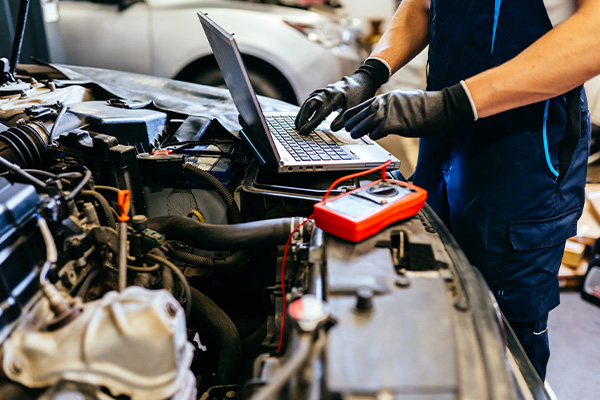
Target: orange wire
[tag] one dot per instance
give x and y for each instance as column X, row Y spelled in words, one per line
column 351, row 176
column 287, row 244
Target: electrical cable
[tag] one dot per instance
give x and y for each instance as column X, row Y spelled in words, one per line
column 86, row 178
column 51, row 251
column 154, row 267
column 63, row 110
column 180, row 276
column 292, row 365
column 197, row 214
column 331, row 187
column 106, row 188
column 104, row 206
column 15, row 169
column 46, row 175
column 40, row 172
column 65, row 175
column 58, row 304
column 232, row 208
column 283, row 280
column 85, row 285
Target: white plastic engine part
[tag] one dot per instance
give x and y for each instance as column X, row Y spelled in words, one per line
column 133, row 343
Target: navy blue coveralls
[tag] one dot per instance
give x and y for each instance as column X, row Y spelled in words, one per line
column 503, row 184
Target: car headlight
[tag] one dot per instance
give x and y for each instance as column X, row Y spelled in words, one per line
column 330, row 34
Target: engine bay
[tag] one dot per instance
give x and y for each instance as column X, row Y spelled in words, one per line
column 144, row 255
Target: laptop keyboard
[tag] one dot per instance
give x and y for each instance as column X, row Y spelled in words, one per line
column 314, row 147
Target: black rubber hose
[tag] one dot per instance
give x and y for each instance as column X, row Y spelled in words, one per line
column 291, row 366
column 98, row 198
column 197, row 261
column 63, row 110
column 87, row 282
column 167, row 279
column 87, row 175
column 232, row 208
column 15, row 169
column 208, row 318
column 13, row 391
column 244, row 236
column 193, row 259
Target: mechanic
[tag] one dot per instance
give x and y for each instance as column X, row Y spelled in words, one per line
column 508, row 184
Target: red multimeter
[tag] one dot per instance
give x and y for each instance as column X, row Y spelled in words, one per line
column 363, row 212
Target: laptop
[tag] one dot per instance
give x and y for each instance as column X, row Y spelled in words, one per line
column 273, row 137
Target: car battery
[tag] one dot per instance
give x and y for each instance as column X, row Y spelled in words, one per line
column 171, row 189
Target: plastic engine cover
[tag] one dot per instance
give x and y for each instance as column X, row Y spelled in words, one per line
column 130, row 126
column 134, row 343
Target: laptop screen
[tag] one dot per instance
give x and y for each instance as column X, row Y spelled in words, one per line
column 238, row 82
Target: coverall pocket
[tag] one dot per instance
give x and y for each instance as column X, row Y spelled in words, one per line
column 540, row 233
column 528, row 282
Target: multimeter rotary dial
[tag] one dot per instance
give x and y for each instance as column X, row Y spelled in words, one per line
column 383, row 189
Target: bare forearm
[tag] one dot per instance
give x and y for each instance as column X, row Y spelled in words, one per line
column 406, row 34
column 564, row 58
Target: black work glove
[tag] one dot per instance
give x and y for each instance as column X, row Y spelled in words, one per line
column 346, row 93
column 413, row 114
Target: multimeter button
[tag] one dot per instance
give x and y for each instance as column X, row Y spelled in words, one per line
column 386, row 191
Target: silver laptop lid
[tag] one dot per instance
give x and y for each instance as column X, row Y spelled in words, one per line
column 238, row 82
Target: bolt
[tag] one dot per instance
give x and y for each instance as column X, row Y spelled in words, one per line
column 230, row 394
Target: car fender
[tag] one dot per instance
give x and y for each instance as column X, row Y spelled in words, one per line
column 301, row 65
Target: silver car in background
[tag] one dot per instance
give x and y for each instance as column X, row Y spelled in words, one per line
column 289, row 51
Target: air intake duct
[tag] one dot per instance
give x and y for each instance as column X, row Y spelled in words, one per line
column 25, row 145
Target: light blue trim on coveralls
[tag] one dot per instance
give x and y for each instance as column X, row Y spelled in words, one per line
column 545, row 135
column 496, row 15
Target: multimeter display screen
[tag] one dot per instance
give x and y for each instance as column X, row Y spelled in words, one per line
column 354, row 206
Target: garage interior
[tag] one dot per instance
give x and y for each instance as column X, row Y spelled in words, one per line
column 574, row 326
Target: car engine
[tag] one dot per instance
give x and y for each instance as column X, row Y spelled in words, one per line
column 143, row 255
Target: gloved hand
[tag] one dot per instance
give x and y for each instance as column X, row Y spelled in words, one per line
column 346, row 93
column 413, row 114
